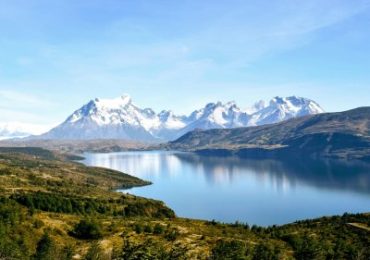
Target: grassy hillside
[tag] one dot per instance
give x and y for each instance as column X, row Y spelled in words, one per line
column 344, row 135
column 54, row 209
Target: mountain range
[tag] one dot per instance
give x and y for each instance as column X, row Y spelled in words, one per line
column 120, row 118
column 339, row 135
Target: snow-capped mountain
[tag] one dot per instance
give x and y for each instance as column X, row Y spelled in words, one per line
column 216, row 115
column 19, row 130
column 169, row 126
column 120, row 119
column 281, row 109
column 104, row 118
column 256, row 107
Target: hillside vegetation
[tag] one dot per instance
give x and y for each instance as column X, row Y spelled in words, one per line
column 54, row 209
column 76, row 146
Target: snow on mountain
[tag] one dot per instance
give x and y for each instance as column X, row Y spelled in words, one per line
column 120, row 118
column 281, row 109
column 107, row 118
column 216, row 115
column 256, row 107
column 18, row 130
column 169, row 126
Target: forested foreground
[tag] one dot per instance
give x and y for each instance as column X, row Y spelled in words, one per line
column 54, row 209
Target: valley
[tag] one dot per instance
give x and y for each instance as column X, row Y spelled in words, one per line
column 55, row 208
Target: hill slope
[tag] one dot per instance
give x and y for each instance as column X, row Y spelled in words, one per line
column 343, row 134
column 53, row 209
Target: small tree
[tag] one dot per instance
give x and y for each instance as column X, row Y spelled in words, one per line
column 45, row 248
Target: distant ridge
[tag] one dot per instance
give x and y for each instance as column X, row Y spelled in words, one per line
column 340, row 135
column 120, row 119
column 11, row 130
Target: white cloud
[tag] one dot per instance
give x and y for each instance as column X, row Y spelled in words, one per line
column 20, row 127
column 14, row 99
column 24, row 107
column 245, row 34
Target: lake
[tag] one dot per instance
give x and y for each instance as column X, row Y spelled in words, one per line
column 229, row 189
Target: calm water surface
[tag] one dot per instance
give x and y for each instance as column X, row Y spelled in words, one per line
column 262, row 192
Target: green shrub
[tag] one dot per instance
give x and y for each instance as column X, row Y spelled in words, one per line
column 172, row 235
column 87, row 229
column 158, row 229
column 225, row 250
column 148, row 229
column 138, row 229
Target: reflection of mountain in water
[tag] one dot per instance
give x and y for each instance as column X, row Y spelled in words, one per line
column 144, row 165
column 327, row 174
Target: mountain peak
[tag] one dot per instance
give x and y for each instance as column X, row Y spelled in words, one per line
column 126, row 98
column 231, row 104
column 114, row 103
column 165, row 114
column 295, row 102
column 259, row 105
column 277, row 100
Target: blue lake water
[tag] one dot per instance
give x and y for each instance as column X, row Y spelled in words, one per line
column 262, row 192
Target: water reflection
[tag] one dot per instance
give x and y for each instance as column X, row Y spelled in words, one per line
column 330, row 174
column 260, row 192
column 148, row 165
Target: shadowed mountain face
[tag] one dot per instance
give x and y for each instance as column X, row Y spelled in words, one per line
column 343, row 134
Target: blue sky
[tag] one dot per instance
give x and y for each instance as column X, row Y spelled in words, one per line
column 56, row 55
